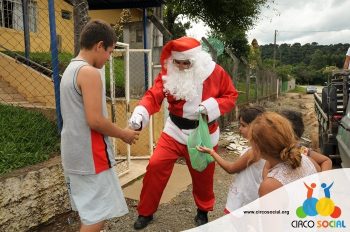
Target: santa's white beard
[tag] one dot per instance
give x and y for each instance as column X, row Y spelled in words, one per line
column 186, row 84
column 181, row 84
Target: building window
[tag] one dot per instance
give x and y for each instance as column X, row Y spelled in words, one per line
column 139, row 36
column 11, row 15
column 66, row 14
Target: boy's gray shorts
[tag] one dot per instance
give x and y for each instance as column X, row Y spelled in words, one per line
column 96, row 197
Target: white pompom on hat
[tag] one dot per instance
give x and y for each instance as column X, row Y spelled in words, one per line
column 184, row 48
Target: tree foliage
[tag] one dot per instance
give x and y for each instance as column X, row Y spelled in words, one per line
column 228, row 19
column 311, row 63
column 125, row 17
column 172, row 16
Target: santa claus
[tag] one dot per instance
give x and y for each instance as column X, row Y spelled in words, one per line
column 192, row 83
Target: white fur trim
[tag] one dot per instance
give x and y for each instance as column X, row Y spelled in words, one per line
column 209, row 69
column 145, row 115
column 181, row 136
column 186, row 55
column 190, row 107
column 212, row 107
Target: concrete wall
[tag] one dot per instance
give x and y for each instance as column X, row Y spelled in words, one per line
column 29, row 198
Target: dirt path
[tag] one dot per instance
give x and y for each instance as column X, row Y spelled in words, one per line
column 179, row 213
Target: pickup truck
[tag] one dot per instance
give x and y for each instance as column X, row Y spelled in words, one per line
column 333, row 114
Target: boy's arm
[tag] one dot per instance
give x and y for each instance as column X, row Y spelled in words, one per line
column 323, row 161
column 90, row 84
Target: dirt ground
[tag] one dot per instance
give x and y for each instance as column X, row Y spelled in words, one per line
column 178, row 214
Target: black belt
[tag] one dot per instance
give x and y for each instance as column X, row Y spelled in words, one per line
column 184, row 123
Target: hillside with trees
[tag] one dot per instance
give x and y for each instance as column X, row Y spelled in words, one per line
column 308, row 63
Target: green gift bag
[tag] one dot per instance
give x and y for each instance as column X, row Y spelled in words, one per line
column 200, row 137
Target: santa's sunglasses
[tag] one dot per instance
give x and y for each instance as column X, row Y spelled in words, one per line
column 185, row 63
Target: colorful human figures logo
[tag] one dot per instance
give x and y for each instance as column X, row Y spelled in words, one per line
column 313, row 206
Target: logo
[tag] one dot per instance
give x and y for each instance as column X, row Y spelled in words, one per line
column 324, row 206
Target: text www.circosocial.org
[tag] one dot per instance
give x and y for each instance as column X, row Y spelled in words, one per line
column 286, row 212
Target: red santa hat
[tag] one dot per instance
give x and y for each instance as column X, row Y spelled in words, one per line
column 184, row 48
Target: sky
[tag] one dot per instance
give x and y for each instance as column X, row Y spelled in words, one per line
column 303, row 21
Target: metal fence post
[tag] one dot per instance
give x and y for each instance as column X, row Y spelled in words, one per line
column 54, row 62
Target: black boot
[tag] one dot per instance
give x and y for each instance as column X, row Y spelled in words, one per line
column 142, row 221
column 201, row 218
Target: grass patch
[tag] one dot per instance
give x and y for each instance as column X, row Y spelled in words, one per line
column 26, row 138
column 298, row 89
column 44, row 59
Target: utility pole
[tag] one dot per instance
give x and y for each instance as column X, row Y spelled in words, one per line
column 274, row 50
column 274, row 61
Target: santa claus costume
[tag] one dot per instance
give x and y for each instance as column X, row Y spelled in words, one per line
column 202, row 84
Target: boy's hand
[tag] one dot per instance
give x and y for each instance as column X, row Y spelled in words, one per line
column 130, row 136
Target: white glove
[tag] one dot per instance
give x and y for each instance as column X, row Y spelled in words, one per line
column 135, row 121
column 202, row 110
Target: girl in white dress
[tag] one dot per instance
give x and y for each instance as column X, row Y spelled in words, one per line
column 245, row 184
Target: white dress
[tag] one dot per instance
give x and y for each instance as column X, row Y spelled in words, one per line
column 286, row 174
column 245, row 186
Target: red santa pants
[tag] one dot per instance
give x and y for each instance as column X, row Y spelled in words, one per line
column 158, row 173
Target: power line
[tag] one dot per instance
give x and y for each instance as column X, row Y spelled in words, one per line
column 316, row 31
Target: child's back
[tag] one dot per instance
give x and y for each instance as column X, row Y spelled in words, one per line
column 245, row 185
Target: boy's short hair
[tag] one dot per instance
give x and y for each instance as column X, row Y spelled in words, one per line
column 296, row 118
column 96, row 31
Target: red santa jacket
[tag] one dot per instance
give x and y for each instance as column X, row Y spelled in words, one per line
column 217, row 94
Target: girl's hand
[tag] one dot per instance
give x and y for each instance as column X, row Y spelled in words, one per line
column 205, row 149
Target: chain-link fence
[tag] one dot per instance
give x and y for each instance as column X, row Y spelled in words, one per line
column 27, row 91
column 33, row 35
column 253, row 84
column 37, row 42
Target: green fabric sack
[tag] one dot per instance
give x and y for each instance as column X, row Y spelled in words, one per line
column 200, row 137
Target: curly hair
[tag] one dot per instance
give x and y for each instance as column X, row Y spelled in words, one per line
column 273, row 135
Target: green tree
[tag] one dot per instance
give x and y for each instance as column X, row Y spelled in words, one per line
column 309, row 60
column 318, row 59
column 172, row 15
column 254, row 56
column 125, row 17
column 228, row 19
column 285, row 72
